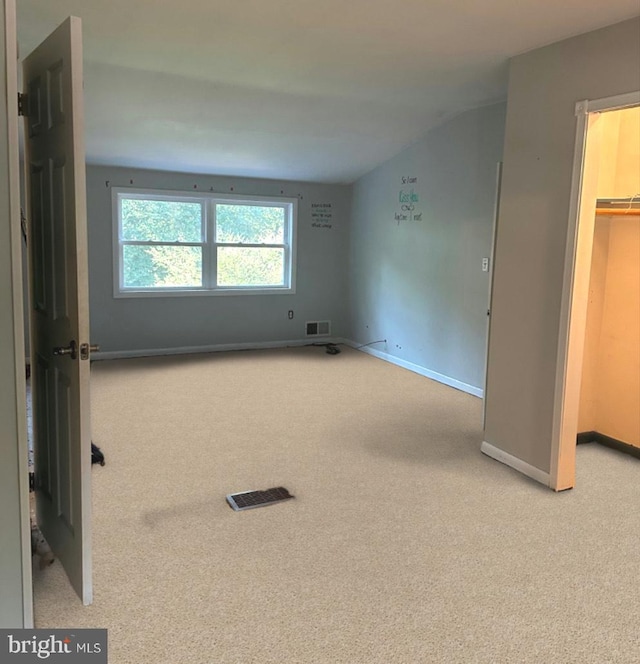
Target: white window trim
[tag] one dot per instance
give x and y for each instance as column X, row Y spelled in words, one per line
column 209, row 253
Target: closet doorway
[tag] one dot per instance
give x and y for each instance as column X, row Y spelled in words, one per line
column 598, row 372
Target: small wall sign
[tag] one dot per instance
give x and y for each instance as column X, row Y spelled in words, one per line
column 408, row 201
column 321, row 215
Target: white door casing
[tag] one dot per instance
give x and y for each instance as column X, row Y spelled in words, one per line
column 15, row 608
column 577, row 267
column 492, row 255
column 56, row 193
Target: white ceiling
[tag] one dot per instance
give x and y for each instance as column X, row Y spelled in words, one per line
column 318, row 90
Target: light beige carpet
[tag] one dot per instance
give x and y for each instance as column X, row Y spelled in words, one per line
column 404, row 543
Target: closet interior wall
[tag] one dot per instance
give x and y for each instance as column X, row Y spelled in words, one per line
column 610, row 393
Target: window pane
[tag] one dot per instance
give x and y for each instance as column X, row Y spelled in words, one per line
column 251, row 266
column 161, row 221
column 162, row 267
column 250, row 223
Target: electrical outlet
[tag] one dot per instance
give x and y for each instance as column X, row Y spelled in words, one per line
column 485, row 265
column 290, row 314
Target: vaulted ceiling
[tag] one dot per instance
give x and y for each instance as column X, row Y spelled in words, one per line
column 318, row 90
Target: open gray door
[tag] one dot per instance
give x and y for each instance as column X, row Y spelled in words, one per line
column 55, row 165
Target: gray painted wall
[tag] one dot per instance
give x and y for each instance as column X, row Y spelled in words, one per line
column 12, row 401
column 130, row 324
column 419, row 283
column 544, row 87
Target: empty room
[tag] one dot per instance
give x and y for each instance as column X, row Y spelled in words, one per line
column 335, row 290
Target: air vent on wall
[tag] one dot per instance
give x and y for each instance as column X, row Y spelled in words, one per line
column 318, row 328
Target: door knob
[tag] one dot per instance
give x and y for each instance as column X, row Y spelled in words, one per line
column 71, row 350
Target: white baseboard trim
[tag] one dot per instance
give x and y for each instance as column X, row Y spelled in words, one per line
column 515, row 463
column 416, row 368
column 218, row 348
column 215, row 348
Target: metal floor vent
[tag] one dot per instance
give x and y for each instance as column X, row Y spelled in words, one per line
column 247, row 500
column 318, row 328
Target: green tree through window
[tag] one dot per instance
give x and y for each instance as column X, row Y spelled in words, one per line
column 148, row 266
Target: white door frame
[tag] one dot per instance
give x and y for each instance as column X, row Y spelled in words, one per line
column 13, row 170
column 492, row 255
column 575, row 293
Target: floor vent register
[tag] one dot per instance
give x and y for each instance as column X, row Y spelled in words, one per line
column 247, row 500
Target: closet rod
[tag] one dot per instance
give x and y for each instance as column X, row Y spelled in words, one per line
column 618, row 211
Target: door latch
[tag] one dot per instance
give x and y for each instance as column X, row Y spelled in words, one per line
column 86, row 350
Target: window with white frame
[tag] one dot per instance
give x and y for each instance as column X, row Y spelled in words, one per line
column 188, row 243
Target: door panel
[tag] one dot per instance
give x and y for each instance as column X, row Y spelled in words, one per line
column 38, row 239
column 45, row 453
column 60, row 313
column 60, row 258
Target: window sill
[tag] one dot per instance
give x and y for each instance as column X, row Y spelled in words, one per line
column 202, row 292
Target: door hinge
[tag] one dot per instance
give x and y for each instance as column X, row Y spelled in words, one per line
column 23, row 104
